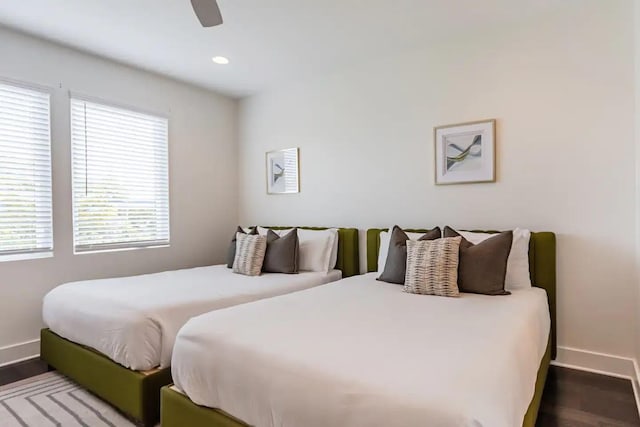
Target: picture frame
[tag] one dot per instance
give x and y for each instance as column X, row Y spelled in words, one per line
column 465, row 152
column 283, row 171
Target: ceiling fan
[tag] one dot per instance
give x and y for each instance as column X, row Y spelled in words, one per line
column 208, row 12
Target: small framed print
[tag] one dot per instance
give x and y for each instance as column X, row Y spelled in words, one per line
column 283, row 172
column 465, row 152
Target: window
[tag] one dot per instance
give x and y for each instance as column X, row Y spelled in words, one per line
column 120, row 178
column 25, row 172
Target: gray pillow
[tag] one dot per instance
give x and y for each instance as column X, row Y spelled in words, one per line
column 231, row 252
column 396, row 266
column 482, row 268
column 282, row 253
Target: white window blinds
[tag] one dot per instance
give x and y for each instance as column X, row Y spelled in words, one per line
column 25, row 171
column 120, row 177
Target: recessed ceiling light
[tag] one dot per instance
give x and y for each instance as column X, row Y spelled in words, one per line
column 220, row 60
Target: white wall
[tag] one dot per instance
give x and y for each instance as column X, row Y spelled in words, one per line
column 562, row 90
column 637, row 156
column 202, row 159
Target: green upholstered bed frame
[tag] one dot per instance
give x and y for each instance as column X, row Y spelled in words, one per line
column 137, row 394
column 177, row 410
column 134, row 393
column 542, row 269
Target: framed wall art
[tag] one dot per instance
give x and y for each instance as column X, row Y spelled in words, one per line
column 283, row 171
column 465, row 152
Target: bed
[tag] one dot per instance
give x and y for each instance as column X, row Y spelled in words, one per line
column 332, row 373
column 115, row 336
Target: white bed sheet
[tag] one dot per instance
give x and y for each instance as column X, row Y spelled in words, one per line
column 362, row 353
column 134, row 320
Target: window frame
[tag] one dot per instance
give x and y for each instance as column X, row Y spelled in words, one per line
column 36, row 253
column 124, row 246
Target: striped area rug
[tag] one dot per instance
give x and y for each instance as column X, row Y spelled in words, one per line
column 51, row 399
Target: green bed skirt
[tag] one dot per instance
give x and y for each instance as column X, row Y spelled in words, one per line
column 532, row 412
column 177, row 410
column 135, row 393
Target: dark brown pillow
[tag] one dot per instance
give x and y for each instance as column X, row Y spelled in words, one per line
column 231, row 252
column 483, row 267
column 282, row 253
column 396, row 265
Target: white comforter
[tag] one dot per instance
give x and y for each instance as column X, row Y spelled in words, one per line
column 362, row 353
column 134, row 320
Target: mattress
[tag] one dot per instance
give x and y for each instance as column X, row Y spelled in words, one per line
column 134, row 320
column 362, row 353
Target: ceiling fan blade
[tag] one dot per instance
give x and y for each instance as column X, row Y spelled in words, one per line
column 207, row 12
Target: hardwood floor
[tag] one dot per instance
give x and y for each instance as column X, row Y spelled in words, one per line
column 22, row 370
column 571, row 398
column 581, row 399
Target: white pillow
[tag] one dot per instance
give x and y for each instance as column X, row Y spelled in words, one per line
column 518, row 276
column 263, row 231
column 333, row 260
column 318, row 249
column 383, row 252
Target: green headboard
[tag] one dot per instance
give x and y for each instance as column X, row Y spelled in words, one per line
column 542, row 266
column 348, row 248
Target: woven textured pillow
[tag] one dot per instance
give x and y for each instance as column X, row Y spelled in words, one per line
column 432, row 267
column 250, row 250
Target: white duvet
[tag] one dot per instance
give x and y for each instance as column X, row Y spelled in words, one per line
column 362, row 353
column 134, row 320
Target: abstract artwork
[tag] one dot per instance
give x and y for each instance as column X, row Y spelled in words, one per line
column 283, row 171
column 465, row 152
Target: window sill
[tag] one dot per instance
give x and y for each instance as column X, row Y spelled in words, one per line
column 136, row 248
column 25, row 257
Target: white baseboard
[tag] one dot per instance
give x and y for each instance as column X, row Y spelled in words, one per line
column 18, row 352
column 599, row 363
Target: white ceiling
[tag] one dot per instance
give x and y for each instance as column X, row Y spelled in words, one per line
column 267, row 41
